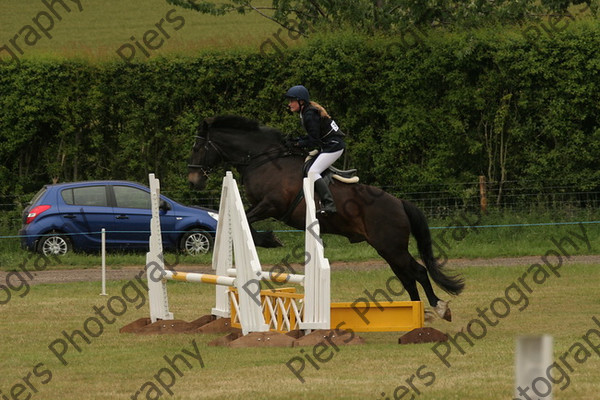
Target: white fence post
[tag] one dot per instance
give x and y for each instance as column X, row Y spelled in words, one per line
column 158, row 299
column 533, row 357
column 103, row 240
column 233, row 230
column 317, row 284
column 222, row 259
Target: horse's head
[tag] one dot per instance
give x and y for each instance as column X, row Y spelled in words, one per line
column 232, row 140
column 204, row 157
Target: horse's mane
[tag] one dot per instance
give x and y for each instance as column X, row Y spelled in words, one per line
column 234, row 122
column 237, row 122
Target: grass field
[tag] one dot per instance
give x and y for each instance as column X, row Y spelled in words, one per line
column 117, row 365
column 449, row 242
column 102, row 27
column 109, row 365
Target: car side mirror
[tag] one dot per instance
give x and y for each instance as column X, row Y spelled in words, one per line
column 164, row 206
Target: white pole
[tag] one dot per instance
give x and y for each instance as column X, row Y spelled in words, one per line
column 200, row 278
column 103, row 262
column 274, row 276
column 533, row 357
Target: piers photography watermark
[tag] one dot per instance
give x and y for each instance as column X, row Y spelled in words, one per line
column 133, row 295
column 368, row 301
column 558, row 373
column 153, row 38
column 298, row 28
column 17, row 281
column 29, row 35
column 515, row 296
column 553, row 24
column 165, row 378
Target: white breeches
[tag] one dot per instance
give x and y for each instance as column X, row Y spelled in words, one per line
column 324, row 161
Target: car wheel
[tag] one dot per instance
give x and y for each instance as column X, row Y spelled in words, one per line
column 196, row 242
column 54, row 244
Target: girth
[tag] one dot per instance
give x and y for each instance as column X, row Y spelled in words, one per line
column 327, row 177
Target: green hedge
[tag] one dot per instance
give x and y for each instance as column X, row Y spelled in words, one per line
column 448, row 108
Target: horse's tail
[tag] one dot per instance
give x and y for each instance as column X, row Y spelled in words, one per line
column 452, row 284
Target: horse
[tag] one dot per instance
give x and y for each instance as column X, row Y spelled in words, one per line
column 272, row 176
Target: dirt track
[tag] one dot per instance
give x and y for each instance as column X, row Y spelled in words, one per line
column 91, row 275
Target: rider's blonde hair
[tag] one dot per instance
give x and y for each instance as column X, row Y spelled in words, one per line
column 319, row 107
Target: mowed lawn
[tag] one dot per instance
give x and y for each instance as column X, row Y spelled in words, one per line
column 498, row 305
column 96, row 29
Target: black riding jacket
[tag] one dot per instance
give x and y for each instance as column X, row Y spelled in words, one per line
column 323, row 132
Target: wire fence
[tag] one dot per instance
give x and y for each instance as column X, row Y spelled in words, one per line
column 436, row 200
column 99, row 233
column 445, row 199
column 516, row 196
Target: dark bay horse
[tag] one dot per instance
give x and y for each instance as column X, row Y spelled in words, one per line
column 272, row 176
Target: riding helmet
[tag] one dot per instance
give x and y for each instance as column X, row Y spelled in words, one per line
column 298, row 92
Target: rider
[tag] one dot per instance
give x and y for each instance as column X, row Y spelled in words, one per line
column 323, row 133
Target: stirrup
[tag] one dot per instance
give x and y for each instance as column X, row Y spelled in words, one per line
column 324, row 212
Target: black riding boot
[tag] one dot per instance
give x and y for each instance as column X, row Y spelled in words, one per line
column 327, row 204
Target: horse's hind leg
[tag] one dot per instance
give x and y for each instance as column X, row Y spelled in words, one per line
column 440, row 307
column 257, row 213
column 409, row 271
column 408, row 281
column 400, row 265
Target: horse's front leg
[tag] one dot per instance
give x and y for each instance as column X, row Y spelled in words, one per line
column 266, row 238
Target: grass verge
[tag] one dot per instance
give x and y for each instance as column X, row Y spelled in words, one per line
column 449, row 241
column 114, row 365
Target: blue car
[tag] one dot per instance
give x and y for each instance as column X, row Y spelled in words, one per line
column 70, row 216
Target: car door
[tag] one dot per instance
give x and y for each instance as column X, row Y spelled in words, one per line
column 85, row 211
column 132, row 215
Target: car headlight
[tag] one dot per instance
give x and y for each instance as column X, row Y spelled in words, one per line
column 214, row 215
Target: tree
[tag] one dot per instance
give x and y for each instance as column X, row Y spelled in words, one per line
column 389, row 15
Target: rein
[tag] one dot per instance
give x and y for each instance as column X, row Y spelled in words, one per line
column 250, row 161
column 245, row 164
column 205, row 171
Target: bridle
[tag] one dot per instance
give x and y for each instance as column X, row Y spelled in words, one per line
column 207, row 143
column 246, row 161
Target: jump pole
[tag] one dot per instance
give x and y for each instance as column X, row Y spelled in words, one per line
column 199, row 278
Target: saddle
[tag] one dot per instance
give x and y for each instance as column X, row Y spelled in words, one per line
column 345, row 176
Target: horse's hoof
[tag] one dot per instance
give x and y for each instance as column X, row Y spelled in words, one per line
column 443, row 310
column 267, row 240
column 430, row 316
column 448, row 315
column 277, row 242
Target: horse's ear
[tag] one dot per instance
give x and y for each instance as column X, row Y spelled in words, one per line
column 206, row 124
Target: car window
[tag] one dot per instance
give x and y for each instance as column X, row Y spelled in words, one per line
column 38, row 195
column 130, row 197
column 85, row 196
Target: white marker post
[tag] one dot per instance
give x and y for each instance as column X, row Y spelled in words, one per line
column 103, row 239
column 533, row 357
